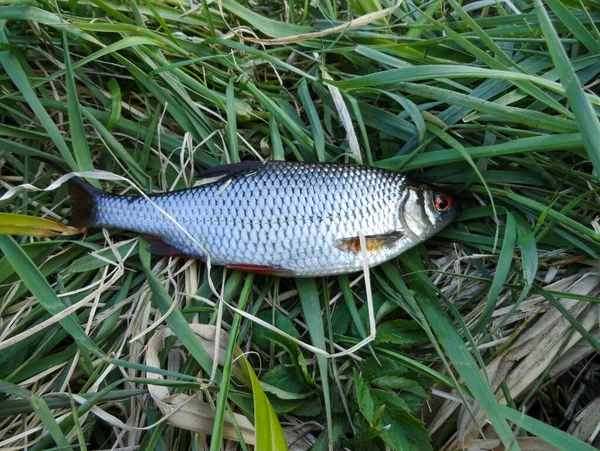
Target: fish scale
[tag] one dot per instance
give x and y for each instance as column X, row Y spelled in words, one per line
column 292, row 218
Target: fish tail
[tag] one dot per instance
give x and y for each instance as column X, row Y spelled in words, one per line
column 85, row 200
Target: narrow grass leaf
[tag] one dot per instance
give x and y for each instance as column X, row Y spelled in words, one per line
column 13, row 68
column 115, row 100
column 552, row 435
column 502, row 271
column 311, row 307
column 217, row 432
column 276, row 144
column 574, row 25
column 78, row 135
column 43, row 292
column 313, row 119
column 176, row 321
column 231, row 126
column 41, row 409
column 584, row 112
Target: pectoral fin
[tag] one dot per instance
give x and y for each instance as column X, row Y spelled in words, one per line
column 373, row 242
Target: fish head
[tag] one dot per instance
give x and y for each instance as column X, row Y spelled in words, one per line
column 426, row 210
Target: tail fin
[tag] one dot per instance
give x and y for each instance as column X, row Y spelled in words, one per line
column 85, row 199
column 85, row 196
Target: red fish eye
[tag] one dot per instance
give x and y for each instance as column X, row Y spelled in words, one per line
column 443, row 202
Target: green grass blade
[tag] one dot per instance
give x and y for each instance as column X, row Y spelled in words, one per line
column 175, row 320
column 41, row 409
column 311, row 307
column 40, row 288
column 78, row 136
column 502, row 270
column 463, row 361
column 587, row 120
column 217, row 432
column 13, row 68
column 553, row 436
column 231, row 127
column 313, row 119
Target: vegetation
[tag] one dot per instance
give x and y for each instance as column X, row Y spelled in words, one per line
column 486, row 336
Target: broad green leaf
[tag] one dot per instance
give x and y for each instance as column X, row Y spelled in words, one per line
column 269, row 435
column 17, row 224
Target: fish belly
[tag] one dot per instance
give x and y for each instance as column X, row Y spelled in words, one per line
column 283, row 217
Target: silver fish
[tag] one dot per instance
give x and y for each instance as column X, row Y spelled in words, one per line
column 280, row 218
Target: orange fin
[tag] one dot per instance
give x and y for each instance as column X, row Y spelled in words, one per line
column 160, row 247
column 261, row 270
column 373, row 242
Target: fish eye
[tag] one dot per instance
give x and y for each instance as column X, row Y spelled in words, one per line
column 442, row 202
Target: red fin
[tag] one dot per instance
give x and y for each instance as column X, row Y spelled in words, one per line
column 373, row 242
column 262, row 270
column 159, row 247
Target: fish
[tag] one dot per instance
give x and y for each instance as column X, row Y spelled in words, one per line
column 289, row 219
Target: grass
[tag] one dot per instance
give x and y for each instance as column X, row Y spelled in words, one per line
column 487, row 335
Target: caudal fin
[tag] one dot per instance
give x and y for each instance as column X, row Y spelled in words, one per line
column 85, row 198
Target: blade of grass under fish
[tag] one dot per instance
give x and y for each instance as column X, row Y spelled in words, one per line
column 41, row 409
column 175, row 320
column 456, row 145
column 40, row 288
column 311, row 308
column 351, row 304
column 217, row 432
column 584, row 112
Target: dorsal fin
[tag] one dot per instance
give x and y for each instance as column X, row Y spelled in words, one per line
column 226, row 172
